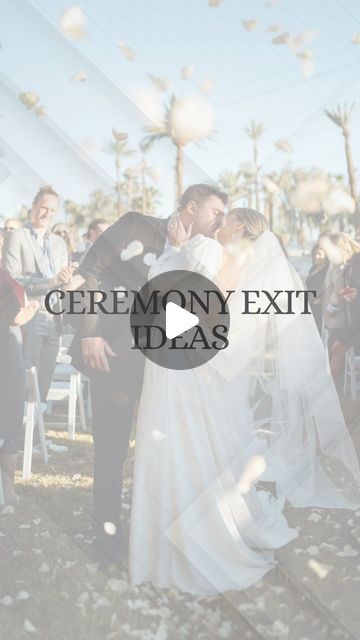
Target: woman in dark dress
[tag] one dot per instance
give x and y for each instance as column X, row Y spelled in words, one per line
column 315, row 282
column 351, row 295
column 13, row 311
column 341, row 249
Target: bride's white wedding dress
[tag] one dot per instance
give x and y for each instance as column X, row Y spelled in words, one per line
column 198, row 521
column 193, row 524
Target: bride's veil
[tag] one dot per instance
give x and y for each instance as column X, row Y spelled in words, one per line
column 307, row 447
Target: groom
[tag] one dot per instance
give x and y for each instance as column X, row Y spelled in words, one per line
column 102, row 344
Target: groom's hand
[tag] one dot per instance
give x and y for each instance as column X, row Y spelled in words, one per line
column 95, row 351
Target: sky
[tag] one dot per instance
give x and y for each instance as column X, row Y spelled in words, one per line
column 252, row 79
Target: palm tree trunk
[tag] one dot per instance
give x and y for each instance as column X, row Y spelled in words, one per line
column 256, row 176
column 350, row 165
column 179, row 171
column 117, row 186
column 269, row 212
column 143, row 186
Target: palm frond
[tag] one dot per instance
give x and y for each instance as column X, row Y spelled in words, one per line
column 255, row 130
column 341, row 116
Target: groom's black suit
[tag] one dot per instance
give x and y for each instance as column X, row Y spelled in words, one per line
column 114, row 394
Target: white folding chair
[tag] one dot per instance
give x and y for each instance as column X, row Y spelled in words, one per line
column 33, row 415
column 67, row 385
column 352, row 374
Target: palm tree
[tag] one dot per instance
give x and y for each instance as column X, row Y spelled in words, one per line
column 145, row 171
column 185, row 121
column 99, row 205
column 341, row 116
column 119, row 147
column 255, row 131
column 230, row 182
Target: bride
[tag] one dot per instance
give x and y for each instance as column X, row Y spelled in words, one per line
column 264, row 409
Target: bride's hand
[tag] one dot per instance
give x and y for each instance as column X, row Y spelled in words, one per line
column 177, row 235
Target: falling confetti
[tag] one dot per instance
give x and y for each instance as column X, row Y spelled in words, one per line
column 356, row 38
column 186, row 72
column 307, row 63
column 149, row 259
column 134, row 248
column 160, row 83
column 110, row 528
column 250, row 25
column 284, row 145
column 29, row 99
column 78, row 77
column 120, row 136
column 321, row 570
column 29, row 627
column 121, row 291
column 40, row 110
column 274, row 28
column 214, row 3
column 207, row 85
column 283, row 38
column 127, row 52
column 296, row 42
column 73, row 22
column 191, row 119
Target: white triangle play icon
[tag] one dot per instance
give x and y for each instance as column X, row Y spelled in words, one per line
column 178, row 320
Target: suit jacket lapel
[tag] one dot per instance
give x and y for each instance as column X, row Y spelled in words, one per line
column 54, row 254
column 36, row 250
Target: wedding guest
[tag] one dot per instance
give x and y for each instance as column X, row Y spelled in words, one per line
column 95, row 229
column 339, row 249
column 13, row 311
column 11, row 224
column 315, row 282
column 38, row 260
column 351, row 295
column 61, row 229
column 2, row 242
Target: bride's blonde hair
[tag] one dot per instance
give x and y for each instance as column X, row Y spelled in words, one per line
column 254, row 222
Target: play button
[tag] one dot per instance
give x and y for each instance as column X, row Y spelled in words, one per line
column 180, row 320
